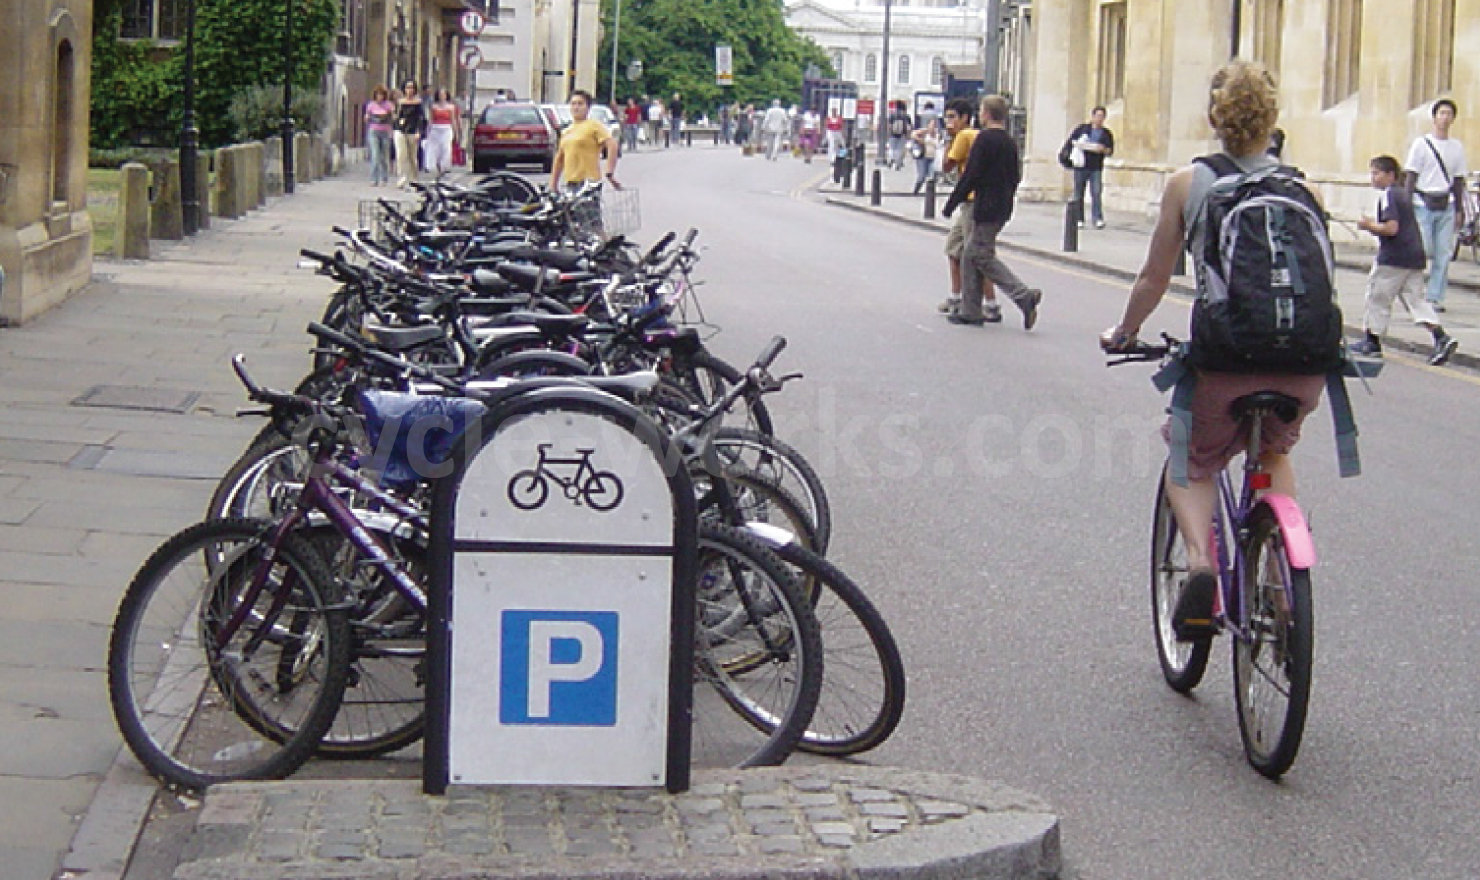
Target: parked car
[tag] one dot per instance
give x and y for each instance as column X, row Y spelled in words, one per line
column 512, row 131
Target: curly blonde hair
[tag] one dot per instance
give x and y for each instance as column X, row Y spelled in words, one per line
column 1243, row 105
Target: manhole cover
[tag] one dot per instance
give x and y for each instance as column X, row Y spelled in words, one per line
column 168, row 400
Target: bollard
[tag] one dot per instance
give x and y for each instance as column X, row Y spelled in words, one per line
column 203, row 186
column 1073, row 210
column 930, row 199
column 166, row 213
column 860, row 167
column 228, row 188
column 272, row 180
column 131, row 235
column 876, row 195
column 688, row 138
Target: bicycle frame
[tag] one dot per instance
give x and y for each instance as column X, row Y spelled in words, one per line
column 1230, row 530
column 317, row 495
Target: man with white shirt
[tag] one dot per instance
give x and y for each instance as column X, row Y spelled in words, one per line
column 776, row 124
column 1435, row 174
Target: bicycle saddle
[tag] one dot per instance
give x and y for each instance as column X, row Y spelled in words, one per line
column 1283, row 406
column 528, row 277
column 399, row 339
column 486, row 282
column 628, row 387
column 567, row 260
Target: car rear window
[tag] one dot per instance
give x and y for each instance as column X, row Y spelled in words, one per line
column 506, row 115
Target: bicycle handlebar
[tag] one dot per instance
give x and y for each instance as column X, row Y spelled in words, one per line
column 1140, row 352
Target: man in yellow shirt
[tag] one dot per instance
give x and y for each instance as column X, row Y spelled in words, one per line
column 962, row 136
column 582, row 144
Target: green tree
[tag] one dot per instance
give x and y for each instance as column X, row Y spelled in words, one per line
column 137, row 85
column 675, row 40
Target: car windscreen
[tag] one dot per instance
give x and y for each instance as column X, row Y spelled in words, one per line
column 506, row 115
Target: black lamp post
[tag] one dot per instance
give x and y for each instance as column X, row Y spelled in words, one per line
column 189, row 135
column 881, row 115
column 288, row 96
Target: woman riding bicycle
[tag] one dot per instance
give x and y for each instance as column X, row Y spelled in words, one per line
column 1243, row 107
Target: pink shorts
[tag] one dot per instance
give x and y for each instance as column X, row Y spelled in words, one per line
column 1216, row 435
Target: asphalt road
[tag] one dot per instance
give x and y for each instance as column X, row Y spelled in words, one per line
column 992, row 491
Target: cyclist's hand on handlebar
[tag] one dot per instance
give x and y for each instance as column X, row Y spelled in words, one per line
column 1117, row 340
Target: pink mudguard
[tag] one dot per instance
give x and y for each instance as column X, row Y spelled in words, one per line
column 1298, row 543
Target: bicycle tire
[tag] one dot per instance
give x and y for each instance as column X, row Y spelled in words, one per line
column 186, row 689
column 748, row 451
column 508, row 189
column 384, row 705
column 1280, row 621
column 1183, row 664
column 749, row 607
column 247, row 487
column 863, row 679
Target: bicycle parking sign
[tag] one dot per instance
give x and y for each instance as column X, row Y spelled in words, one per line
column 562, row 556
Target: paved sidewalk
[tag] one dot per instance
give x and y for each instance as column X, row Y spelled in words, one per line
column 1037, row 228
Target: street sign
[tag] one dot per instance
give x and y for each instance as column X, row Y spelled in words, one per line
column 865, row 107
column 724, row 66
column 472, row 23
column 470, row 57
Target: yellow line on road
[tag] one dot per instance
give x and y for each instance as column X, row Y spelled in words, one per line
column 811, row 184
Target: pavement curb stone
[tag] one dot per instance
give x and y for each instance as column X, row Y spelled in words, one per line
column 786, row 823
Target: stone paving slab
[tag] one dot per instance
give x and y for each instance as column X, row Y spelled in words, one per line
column 826, row 821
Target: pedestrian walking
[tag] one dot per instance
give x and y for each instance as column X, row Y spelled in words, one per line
column 962, row 134
column 899, row 130
column 380, row 113
column 1397, row 271
column 655, row 113
column 833, row 126
column 992, row 174
column 808, row 138
column 631, row 122
column 578, row 156
column 726, row 121
column 1436, row 171
column 444, row 121
column 410, row 124
column 675, row 118
column 923, row 144
column 775, row 125
column 1089, row 143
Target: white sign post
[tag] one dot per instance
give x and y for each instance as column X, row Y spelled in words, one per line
column 565, row 542
column 724, row 65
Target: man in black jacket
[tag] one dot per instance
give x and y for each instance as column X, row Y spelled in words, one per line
column 1094, row 142
column 991, row 176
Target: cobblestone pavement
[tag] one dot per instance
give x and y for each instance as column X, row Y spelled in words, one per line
column 811, row 822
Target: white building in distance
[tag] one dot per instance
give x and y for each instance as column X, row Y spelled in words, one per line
column 924, row 37
column 538, row 50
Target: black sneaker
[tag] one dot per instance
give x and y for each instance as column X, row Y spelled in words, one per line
column 1444, row 346
column 1366, row 348
column 958, row 318
column 992, row 313
column 1193, row 618
column 1030, row 308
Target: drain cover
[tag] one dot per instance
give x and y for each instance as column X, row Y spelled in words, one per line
column 168, row 400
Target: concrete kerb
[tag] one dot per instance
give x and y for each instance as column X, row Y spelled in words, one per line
column 832, row 821
column 1180, row 288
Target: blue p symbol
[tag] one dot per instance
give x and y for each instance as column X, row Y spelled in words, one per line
column 559, row 668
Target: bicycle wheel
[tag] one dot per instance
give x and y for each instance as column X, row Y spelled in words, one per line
column 508, row 190
column 1182, row 663
column 193, row 712
column 708, row 378
column 761, row 455
column 1272, row 656
column 384, row 703
column 863, row 682
column 252, row 486
column 757, row 648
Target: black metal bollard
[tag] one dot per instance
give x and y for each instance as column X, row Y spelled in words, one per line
column 1073, row 211
column 860, row 164
column 876, row 196
column 688, row 138
column 930, row 199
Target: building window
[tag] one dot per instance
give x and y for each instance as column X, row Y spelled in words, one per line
column 153, row 19
column 871, row 68
column 937, row 70
column 1343, row 50
column 1269, row 24
column 62, row 123
column 837, row 63
column 904, row 70
column 1433, row 49
column 351, row 39
column 1112, row 50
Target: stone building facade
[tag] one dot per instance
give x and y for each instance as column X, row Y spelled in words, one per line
column 1357, row 79
column 45, row 233
column 924, row 38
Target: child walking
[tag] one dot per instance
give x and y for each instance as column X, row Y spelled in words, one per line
column 1398, row 269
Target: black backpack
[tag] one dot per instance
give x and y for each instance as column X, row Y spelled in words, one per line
column 897, row 125
column 1266, row 290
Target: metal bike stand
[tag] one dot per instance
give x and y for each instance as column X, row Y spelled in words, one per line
column 560, row 637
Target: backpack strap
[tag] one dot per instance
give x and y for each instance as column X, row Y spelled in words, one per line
column 1348, row 460
column 1182, row 379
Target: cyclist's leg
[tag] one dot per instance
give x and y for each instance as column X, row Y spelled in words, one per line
column 1193, row 506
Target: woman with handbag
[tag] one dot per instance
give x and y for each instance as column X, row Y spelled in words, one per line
column 442, row 134
column 1435, row 173
column 410, row 120
column 379, row 113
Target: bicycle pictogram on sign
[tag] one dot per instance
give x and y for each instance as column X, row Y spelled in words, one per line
column 600, row 490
